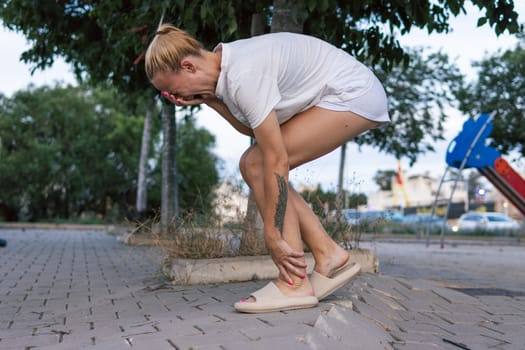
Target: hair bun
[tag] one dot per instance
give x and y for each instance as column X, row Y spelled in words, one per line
column 165, row 29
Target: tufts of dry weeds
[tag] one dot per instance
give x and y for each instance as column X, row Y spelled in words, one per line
column 191, row 238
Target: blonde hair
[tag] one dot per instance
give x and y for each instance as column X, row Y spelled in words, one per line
column 167, row 49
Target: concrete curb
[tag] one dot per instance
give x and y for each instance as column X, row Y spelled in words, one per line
column 245, row 268
column 113, row 229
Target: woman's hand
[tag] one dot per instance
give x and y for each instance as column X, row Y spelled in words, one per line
column 287, row 260
column 183, row 101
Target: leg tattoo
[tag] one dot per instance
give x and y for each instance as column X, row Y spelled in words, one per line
column 280, row 210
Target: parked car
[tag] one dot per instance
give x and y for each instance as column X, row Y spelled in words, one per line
column 394, row 216
column 487, row 222
column 354, row 217
column 419, row 223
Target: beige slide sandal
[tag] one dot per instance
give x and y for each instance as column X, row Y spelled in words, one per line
column 271, row 299
column 324, row 286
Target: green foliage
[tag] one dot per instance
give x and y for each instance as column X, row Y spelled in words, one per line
column 369, row 29
column 417, row 97
column 99, row 39
column 197, row 166
column 67, row 150
column 106, row 39
column 500, row 88
column 383, row 178
column 318, row 198
column 323, row 201
column 105, row 42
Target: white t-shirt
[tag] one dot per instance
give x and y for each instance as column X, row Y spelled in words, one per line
column 286, row 72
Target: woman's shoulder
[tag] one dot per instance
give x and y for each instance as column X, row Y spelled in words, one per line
column 271, row 38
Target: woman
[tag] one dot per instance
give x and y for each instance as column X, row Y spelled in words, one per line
column 300, row 98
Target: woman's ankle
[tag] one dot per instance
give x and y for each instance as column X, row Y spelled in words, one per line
column 299, row 286
column 326, row 263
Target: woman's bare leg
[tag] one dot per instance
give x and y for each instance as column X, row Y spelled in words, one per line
column 251, row 169
column 307, row 136
column 328, row 255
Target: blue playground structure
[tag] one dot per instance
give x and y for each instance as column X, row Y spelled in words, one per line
column 469, row 149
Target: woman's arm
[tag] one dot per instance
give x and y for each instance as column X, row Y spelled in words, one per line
column 275, row 175
column 223, row 110
column 218, row 106
column 276, row 167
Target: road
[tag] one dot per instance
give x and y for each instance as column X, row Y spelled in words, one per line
column 463, row 264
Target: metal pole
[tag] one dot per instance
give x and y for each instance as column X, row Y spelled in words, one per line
column 427, row 226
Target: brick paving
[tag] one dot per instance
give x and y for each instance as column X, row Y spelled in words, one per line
column 78, row 289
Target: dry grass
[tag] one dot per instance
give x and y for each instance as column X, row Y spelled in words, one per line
column 252, row 243
column 342, row 233
column 195, row 246
column 192, row 240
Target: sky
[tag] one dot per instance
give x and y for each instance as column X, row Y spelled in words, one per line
column 465, row 44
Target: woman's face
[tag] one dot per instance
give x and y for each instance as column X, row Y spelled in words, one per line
column 185, row 87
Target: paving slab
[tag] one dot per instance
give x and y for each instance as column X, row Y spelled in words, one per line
column 85, row 289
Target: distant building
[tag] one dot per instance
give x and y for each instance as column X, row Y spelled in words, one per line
column 305, row 187
column 230, row 202
column 420, row 190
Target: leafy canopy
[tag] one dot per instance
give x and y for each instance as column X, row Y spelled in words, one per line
column 500, row 88
column 105, row 41
column 65, row 151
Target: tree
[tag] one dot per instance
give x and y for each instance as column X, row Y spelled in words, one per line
column 141, row 202
column 67, row 151
column 197, row 169
column 339, row 203
column 287, row 16
column 169, row 198
column 253, row 223
column 320, row 200
column 369, row 29
column 198, row 173
column 500, row 88
column 323, row 201
column 417, row 96
column 383, row 179
column 55, row 163
column 103, row 40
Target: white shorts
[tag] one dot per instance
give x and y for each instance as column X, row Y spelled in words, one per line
column 372, row 105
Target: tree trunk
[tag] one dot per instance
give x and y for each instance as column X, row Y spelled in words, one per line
column 169, row 198
column 282, row 19
column 142, row 193
column 253, row 223
column 339, row 196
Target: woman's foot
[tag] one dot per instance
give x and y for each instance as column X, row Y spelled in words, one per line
column 278, row 296
column 328, row 263
column 271, row 299
column 332, row 272
column 301, row 288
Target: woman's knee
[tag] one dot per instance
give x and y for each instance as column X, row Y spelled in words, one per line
column 250, row 164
